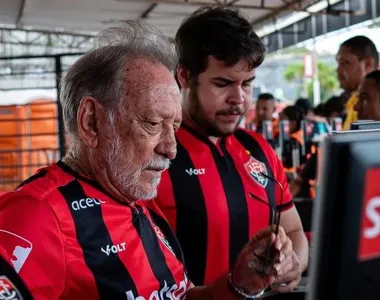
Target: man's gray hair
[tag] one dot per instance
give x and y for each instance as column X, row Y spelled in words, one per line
column 101, row 72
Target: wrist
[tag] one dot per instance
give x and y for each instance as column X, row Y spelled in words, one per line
column 240, row 292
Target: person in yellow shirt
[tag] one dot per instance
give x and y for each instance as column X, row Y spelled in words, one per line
column 356, row 57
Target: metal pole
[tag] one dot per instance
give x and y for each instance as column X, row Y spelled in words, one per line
column 61, row 129
column 316, row 83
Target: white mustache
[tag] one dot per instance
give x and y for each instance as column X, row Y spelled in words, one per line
column 159, row 164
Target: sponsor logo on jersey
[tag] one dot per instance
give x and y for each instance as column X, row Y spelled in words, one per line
column 8, row 290
column 17, row 247
column 109, row 249
column 196, row 172
column 86, row 203
column 254, row 168
column 369, row 243
column 175, row 292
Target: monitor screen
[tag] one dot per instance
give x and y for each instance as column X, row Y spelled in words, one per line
column 345, row 254
column 363, row 125
column 355, row 132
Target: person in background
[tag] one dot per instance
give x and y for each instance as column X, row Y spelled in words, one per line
column 223, row 184
column 356, row 57
column 334, row 108
column 295, row 115
column 368, row 106
column 318, row 111
column 265, row 108
column 306, row 106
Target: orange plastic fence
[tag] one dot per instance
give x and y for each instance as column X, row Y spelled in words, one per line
column 28, row 140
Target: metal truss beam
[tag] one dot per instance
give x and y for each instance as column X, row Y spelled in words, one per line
column 16, row 41
column 215, row 3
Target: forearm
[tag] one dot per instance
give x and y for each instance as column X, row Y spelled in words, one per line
column 300, row 246
column 218, row 290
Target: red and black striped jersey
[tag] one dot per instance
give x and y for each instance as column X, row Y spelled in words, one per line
column 216, row 199
column 68, row 239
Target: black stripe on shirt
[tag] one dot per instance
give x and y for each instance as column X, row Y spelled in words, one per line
column 152, row 249
column 40, row 174
column 236, row 201
column 250, row 144
column 112, row 278
column 190, row 206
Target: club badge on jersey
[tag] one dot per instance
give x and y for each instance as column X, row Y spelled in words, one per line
column 8, row 290
column 254, row 168
column 163, row 239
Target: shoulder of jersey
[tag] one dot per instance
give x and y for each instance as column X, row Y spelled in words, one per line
column 42, row 183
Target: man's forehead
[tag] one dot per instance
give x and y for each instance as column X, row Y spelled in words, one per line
column 346, row 53
column 241, row 70
column 141, row 71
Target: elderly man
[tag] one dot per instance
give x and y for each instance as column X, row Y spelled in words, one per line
column 80, row 228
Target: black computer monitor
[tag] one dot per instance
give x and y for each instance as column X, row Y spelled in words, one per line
column 364, row 125
column 345, row 265
column 355, row 132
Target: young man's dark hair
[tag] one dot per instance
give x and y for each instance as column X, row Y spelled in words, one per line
column 218, row 32
column 362, row 47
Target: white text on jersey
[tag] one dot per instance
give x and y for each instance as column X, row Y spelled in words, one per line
column 192, row 171
column 85, row 203
column 174, row 292
column 114, row 248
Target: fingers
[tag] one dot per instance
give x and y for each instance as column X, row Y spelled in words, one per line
column 286, row 266
column 291, row 274
column 282, row 235
column 262, row 234
column 288, row 287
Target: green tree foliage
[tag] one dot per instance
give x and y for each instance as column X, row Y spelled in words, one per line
column 327, row 77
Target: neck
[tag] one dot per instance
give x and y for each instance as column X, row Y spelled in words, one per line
column 190, row 122
column 80, row 163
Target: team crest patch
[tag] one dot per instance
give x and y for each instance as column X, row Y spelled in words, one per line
column 8, row 290
column 163, row 239
column 254, row 168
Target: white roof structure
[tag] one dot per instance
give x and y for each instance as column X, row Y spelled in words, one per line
column 69, row 24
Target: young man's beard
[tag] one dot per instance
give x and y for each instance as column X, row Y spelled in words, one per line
column 198, row 115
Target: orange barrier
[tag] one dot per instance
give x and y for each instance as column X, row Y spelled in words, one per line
column 28, row 140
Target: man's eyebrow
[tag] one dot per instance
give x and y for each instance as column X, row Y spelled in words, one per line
column 230, row 80
column 222, row 79
column 250, row 79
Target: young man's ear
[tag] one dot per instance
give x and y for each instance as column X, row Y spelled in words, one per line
column 183, row 77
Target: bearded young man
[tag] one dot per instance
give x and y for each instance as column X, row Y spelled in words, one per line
column 80, row 228
column 225, row 183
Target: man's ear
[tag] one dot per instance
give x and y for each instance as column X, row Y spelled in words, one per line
column 369, row 64
column 183, row 77
column 87, row 120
